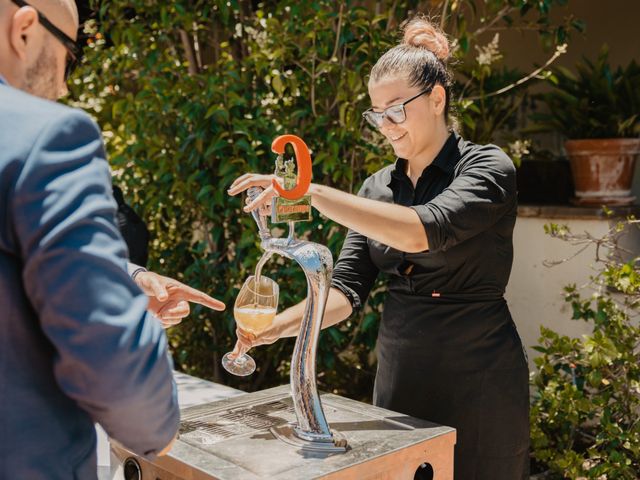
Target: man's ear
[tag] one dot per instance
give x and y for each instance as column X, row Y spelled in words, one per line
column 22, row 30
column 439, row 98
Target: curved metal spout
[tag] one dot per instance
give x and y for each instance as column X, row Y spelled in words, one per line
column 317, row 263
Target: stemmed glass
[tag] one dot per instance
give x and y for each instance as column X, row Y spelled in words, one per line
column 254, row 311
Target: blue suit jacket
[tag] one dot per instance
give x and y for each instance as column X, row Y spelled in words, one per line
column 75, row 344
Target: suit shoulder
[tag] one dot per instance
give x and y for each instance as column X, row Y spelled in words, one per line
column 24, row 118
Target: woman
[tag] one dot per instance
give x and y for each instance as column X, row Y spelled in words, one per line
column 439, row 222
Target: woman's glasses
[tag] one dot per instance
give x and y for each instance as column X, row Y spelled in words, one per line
column 395, row 113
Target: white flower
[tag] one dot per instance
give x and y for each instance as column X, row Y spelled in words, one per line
column 520, row 148
column 489, row 53
column 454, row 46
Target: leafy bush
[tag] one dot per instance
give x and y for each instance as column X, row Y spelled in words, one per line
column 190, row 95
column 482, row 116
column 595, row 102
column 584, row 417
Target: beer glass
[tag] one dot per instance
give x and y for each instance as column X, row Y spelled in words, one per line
column 254, row 311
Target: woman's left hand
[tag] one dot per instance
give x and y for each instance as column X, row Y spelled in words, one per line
column 248, row 180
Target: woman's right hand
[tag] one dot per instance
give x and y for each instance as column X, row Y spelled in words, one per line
column 249, row 180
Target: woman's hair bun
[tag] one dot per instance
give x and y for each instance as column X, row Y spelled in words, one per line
column 421, row 33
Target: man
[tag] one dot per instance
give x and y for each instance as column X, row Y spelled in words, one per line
column 75, row 344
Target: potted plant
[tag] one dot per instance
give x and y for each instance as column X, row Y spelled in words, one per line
column 598, row 110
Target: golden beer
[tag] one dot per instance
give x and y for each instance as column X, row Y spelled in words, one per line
column 254, row 318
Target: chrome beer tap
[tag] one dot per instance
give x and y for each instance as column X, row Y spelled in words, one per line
column 312, row 431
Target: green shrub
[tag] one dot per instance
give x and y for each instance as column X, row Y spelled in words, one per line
column 584, row 416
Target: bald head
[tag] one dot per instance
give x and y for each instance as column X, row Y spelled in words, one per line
column 62, row 13
column 32, row 57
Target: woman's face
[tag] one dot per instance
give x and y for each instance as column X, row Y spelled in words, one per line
column 417, row 133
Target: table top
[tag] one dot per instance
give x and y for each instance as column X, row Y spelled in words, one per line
column 241, row 438
column 191, row 391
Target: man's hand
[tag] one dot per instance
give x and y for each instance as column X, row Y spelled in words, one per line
column 169, row 299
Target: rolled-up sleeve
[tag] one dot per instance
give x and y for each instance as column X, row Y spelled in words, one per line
column 482, row 192
column 109, row 357
column 355, row 273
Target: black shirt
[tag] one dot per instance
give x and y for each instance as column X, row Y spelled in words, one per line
column 466, row 200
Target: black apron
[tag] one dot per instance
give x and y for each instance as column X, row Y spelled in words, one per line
column 428, row 355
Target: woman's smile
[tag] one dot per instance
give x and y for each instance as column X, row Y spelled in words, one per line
column 396, row 137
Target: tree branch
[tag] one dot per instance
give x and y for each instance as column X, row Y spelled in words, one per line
column 338, row 31
column 443, row 15
column 189, row 51
column 392, row 12
column 559, row 51
column 504, row 11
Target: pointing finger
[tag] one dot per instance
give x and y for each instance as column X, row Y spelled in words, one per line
column 190, row 294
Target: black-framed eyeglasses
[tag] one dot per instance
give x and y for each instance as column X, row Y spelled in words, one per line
column 73, row 50
column 395, row 113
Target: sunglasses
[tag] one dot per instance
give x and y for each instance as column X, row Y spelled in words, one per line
column 395, row 113
column 73, row 50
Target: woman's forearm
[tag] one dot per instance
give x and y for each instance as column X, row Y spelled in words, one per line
column 394, row 225
column 338, row 309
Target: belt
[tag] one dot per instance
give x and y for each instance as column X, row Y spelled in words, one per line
column 438, row 296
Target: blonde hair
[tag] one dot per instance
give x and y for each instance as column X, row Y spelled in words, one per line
column 421, row 56
column 419, row 32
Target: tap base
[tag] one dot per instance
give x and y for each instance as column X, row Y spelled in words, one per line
column 335, row 443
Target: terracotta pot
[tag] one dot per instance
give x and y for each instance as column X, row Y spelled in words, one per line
column 603, row 169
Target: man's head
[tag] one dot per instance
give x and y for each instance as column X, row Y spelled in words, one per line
column 33, row 55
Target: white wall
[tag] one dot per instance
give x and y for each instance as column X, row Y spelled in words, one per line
column 535, row 292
